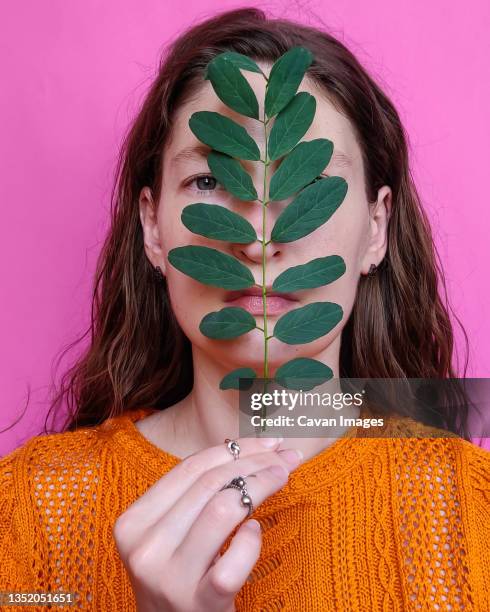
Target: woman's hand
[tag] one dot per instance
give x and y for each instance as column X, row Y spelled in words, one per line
column 169, row 538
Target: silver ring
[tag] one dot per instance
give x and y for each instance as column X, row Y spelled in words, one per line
column 240, row 484
column 233, row 447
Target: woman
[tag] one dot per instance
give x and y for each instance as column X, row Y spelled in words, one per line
column 129, row 508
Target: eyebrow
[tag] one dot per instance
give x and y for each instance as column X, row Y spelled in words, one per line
column 196, row 152
column 201, row 151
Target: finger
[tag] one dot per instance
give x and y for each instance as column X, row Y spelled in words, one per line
column 175, row 524
column 155, row 502
column 219, row 517
column 226, row 577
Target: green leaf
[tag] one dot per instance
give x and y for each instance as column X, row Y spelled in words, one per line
column 231, row 380
column 291, row 124
column 285, row 77
column 305, row 162
column 217, row 222
column 295, row 374
column 311, row 208
column 232, row 87
column 307, row 323
column 211, row 267
column 223, row 134
column 316, row 273
column 240, row 61
column 231, row 174
column 229, row 322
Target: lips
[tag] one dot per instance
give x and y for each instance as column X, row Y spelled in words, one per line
column 256, row 291
column 251, row 300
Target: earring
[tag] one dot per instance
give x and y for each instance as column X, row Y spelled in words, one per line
column 158, row 276
column 372, row 270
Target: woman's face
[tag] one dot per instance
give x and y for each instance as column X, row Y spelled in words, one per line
column 356, row 231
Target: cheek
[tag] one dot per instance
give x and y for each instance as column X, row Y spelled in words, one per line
column 170, row 226
column 344, row 234
column 190, row 301
column 180, row 300
column 186, row 294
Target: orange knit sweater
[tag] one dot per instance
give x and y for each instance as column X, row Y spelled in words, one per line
column 368, row 524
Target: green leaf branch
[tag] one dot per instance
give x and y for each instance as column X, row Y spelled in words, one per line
column 300, row 174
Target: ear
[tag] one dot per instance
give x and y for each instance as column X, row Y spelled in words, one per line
column 151, row 234
column 378, row 229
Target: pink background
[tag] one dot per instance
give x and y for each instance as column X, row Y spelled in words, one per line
column 73, row 75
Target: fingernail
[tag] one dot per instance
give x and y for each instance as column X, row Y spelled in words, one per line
column 280, row 471
column 271, row 442
column 253, row 525
column 291, row 456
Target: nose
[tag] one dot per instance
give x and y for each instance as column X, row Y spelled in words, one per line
column 252, row 252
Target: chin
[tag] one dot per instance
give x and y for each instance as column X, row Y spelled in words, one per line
column 249, row 353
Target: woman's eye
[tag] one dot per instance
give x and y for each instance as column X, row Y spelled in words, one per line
column 204, row 182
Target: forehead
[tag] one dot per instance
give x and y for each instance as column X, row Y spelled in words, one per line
column 328, row 123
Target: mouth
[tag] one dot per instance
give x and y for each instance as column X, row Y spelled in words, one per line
column 251, row 300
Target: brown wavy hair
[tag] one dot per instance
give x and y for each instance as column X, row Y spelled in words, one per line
column 399, row 326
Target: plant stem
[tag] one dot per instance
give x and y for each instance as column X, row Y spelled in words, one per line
column 264, row 245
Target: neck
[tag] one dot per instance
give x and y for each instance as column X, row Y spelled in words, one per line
column 208, row 415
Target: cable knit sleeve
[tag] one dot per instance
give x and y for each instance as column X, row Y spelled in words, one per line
column 15, row 572
column 478, row 473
